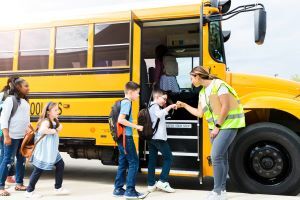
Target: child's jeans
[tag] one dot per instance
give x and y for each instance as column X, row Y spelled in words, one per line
column 130, row 161
column 10, row 152
column 11, row 171
column 163, row 147
column 59, row 172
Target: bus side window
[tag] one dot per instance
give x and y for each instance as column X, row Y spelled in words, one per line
column 71, row 47
column 111, row 45
column 34, row 49
column 185, row 66
column 215, row 42
column 6, row 50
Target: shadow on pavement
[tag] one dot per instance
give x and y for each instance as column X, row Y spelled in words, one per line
column 93, row 171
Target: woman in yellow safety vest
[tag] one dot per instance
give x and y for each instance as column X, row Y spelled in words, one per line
column 220, row 105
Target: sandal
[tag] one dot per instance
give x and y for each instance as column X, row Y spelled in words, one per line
column 4, row 193
column 20, row 188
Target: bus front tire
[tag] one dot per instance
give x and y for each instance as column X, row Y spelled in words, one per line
column 265, row 158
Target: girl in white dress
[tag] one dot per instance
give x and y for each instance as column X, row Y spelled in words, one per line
column 46, row 155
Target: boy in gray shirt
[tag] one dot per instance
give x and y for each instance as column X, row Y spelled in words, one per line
column 159, row 143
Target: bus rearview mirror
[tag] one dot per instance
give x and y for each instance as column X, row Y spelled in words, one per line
column 260, row 25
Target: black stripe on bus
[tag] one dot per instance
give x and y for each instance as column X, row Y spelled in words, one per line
column 105, row 70
column 63, row 95
column 77, row 119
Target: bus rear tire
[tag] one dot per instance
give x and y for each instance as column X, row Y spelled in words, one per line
column 265, row 158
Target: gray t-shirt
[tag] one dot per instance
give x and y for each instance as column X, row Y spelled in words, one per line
column 19, row 122
column 155, row 113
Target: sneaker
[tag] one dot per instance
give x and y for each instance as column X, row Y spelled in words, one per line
column 61, row 191
column 10, row 180
column 223, row 195
column 151, row 188
column 165, row 186
column 32, row 195
column 213, row 196
column 134, row 195
column 119, row 192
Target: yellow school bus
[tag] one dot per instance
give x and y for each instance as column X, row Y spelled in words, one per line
column 83, row 64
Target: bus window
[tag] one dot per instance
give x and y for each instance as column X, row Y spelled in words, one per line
column 71, row 47
column 185, row 66
column 34, row 49
column 6, row 50
column 215, row 42
column 111, row 45
column 184, row 69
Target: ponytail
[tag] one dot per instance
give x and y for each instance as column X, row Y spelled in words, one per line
column 9, row 84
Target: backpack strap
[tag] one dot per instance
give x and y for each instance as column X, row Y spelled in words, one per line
column 44, row 135
column 157, row 122
column 5, row 95
column 127, row 118
column 156, row 126
column 35, row 130
column 14, row 108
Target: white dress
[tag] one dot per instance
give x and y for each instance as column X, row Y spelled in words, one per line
column 46, row 153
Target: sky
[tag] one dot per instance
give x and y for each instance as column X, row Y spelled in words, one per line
column 277, row 56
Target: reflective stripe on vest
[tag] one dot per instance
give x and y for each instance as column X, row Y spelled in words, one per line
column 235, row 117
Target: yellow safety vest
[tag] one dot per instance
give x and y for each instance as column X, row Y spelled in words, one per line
column 211, row 107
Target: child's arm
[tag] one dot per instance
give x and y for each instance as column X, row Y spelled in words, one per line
column 122, row 120
column 44, row 128
column 125, row 110
column 194, row 111
column 59, row 128
column 159, row 113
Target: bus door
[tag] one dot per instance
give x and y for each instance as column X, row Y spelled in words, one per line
column 184, row 130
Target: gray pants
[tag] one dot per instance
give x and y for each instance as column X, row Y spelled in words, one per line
column 219, row 156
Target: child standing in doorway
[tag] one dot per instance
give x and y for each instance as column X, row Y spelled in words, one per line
column 159, row 143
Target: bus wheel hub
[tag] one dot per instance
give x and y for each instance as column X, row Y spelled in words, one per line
column 266, row 161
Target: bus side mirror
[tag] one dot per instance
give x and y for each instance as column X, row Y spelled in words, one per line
column 260, row 25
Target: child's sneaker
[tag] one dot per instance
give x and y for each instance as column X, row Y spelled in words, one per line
column 223, row 195
column 134, row 195
column 213, row 196
column 119, row 192
column 32, row 195
column 165, row 186
column 151, row 188
column 61, row 191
